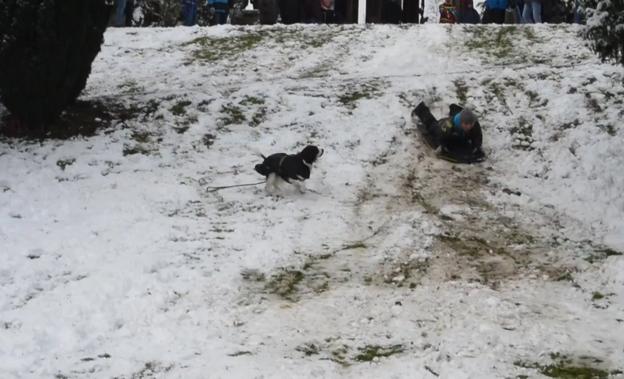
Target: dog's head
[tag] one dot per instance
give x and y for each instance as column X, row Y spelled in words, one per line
column 311, row 153
column 263, row 169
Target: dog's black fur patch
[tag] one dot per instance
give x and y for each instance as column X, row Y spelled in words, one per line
column 290, row 167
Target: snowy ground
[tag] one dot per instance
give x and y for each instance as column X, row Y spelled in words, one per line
column 117, row 261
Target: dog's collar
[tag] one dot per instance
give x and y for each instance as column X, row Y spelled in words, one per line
column 282, row 161
column 308, row 165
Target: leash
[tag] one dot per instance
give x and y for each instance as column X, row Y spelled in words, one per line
column 215, row 189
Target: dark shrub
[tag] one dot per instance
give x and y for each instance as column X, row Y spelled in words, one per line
column 605, row 28
column 46, row 51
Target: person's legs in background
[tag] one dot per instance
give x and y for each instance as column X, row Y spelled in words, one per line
column 129, row 12
column 120, row 13
column 189, row 11
column 518, row 11
column 526, row 13
column 221, row 16
column 536, row 6
column 194, row 12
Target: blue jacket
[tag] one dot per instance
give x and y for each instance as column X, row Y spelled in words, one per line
column 457, row 123
column 496, row 4
column 218, row 2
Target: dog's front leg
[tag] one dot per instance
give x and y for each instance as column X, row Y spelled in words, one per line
column 300, row 186
column 270, row 183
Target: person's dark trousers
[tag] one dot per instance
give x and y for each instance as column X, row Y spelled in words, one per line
column 120, row 13
column 220, row 17
column 429, row 121
column 129, row 12
column 190, row 12
column 494, row 16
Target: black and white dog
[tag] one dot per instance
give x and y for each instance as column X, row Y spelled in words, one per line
column 293, row 169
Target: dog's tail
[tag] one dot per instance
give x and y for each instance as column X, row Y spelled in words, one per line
column 258, row 153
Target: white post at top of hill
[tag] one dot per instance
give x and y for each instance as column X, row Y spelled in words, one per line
column 361, row 11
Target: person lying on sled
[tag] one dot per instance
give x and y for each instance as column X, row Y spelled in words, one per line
column 460, row 132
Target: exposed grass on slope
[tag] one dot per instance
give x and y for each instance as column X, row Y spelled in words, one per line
column 210, row 49
column 494, row 43
column 333, row 349
column 564, row 367
column 353, row 93
column 502, row 45
column 370, row 353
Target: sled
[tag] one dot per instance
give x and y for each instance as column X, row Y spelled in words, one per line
column 461, row 156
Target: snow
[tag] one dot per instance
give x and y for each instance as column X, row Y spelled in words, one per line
column 123, row 265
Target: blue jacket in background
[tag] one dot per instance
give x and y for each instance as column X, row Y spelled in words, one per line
column 496, row 4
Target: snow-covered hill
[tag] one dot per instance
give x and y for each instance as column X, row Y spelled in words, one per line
column 117, row 261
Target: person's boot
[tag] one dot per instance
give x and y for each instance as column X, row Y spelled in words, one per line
column 420, row 109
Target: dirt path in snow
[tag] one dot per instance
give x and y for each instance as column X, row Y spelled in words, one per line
column 452, row 231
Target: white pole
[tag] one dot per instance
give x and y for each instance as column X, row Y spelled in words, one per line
column 361, row 11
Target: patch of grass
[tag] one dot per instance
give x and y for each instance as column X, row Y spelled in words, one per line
column 339, row 355
column 597, row 296
column 253, row 275
column 570, row 125
column 140, row 136
column 353, row 94
column 150, row 370
column 319, row 40
column 565, row 277
column 308, row 349
column 401, row 273
column 130, row 87
column 369, row 353
column 181, row 129
column 355, row 245
column 208, row 140
column 564, row 367
column 298, row 38
column 210, row 49
column 251, row 100
column 496, row 44
column 63, row 163
column 260, row 113
column 135, row 149
column 496, row 90
column 462, row 91
column 179, row 108
column 258, row 117
column 239, row 353
column 592, row 103
column 529, row 34
column 608, row 252
column 602, row 253
column 284, row 283
column 608, row 128
column 232, row 114
column 534, row 99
